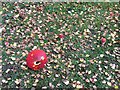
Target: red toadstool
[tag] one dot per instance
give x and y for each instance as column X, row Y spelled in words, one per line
column 103, row 40
column 61, row 36
column 36, row 59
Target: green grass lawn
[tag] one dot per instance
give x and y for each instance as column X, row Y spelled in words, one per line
column 76, row 61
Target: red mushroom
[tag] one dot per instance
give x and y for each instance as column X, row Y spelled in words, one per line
column 103, row 40
column 111, row 14
column 61, row 36
column 36, row 59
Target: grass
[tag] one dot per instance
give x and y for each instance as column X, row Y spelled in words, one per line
column 80, row 62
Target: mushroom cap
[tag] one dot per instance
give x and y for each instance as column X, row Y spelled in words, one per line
column 61, row 36
column 36, row 59
column 103, row 40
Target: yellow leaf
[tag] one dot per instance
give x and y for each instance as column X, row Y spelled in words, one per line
column 95, row 61
column 116, row 87
column 1, row 39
